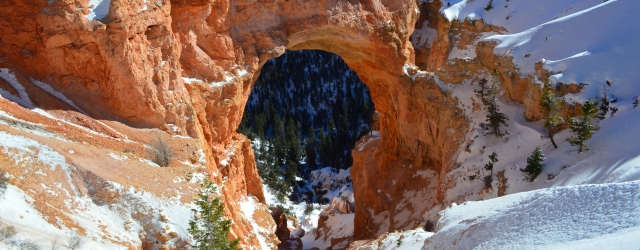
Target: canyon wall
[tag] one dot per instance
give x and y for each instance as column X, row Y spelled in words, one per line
column 188, row 66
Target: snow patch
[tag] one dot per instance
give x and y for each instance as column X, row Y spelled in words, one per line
column 99, row 9
column 23, row 98
column 423, row 38
column 57, row 94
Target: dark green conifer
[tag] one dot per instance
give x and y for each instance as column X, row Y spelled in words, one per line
column 493, row 158
column 582, row 127
column 209, row 227
column 551, row 108
column 534, row 165
column 494, row 119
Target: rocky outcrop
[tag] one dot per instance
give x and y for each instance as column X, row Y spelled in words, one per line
column 187, row 67
column 283, row 232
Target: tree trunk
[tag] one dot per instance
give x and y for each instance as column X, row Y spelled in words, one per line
column 551, row 137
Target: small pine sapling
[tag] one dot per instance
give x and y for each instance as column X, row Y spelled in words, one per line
column 483, row 91
column 582, row 128
column 551, row 108
column 489, row 6
column 209, row 227
column 635, row 102
column 604, row 101
column 494, row 119
column 534, row 165
column 493, row 158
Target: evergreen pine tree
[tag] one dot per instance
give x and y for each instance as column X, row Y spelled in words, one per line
column 534, row 165
column 582, row 128
column 604, row 102
column 293, row 141
column 322, row 144
column 310, row 148
column 482, row 92
column 551, row 108
column 635, row 102
column 493, row 158
column 209, row 227
column 489, row 6
column 495, row 119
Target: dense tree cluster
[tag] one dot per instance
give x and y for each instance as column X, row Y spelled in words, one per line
column 307, row 109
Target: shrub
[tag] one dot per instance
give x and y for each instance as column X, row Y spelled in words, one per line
column 74, row 242
column 430, row 226
column 534, row 165
column 488, row 180
column 28, row 245
column 489, row 6
column 309, row 209
column 55, row 245
column 7, row 233
column 3, row 182
column 161, row 153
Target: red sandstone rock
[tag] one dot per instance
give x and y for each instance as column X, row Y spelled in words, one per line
column 129, row 67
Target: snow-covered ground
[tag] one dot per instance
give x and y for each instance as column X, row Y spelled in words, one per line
column 338, row 186
column 580, row 41
column 595, row 216
column 573, row 27
column 54, row 194
column 136, row 214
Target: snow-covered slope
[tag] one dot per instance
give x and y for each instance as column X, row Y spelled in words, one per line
column 549, row 31
column 70, row 176
column 318, row 223
column 596, row 216
column 580, row 41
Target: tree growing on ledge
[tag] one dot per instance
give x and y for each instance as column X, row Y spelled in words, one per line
column 495, row 119
column 489, row 6
column 551, row 108
column 582, row 128
column 482, row 93
column 209, row 227
column 534, row 165
column 493, row 158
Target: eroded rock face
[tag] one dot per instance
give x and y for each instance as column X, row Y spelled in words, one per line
column 129, row 66
column 284, row 234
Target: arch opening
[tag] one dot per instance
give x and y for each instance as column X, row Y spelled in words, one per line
column 305, row 113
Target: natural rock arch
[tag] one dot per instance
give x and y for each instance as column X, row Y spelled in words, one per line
column 128, row 66
column 420, row 127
